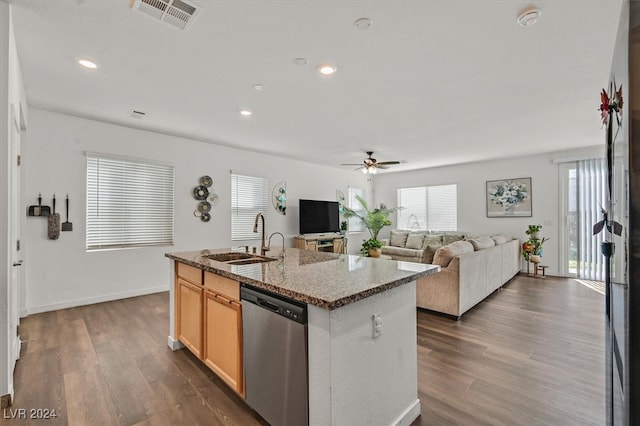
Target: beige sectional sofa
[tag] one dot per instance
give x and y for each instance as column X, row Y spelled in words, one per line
column 472, row 267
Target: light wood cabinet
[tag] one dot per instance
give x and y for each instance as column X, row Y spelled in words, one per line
column 208, row 316
column 329, row 243
column 188, row 305
column 223, row 339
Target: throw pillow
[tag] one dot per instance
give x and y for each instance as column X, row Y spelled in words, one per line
column 432, row 240
column 445, row 254
column 451, row 238
column 499, row 239
column 482, row 243
column 414, row 241
column 398, row 239
column 428, row 252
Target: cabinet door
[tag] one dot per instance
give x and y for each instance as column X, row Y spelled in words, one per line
column 338, row 245
column 223, row 339
column 312, row 245
column 189, row 315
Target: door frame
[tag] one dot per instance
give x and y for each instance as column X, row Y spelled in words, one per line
column 563, row 217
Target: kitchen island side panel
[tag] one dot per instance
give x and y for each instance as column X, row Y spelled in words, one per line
column 355, row 378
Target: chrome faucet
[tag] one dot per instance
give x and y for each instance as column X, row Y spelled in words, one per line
column 263, row 247
column 269, row 243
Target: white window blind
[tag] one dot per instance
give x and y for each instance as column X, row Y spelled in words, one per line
column 355, row 224
column 249, row 196
column 433, row 208
column 130, row 203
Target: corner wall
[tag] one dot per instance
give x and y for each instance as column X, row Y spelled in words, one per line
column 62, row 273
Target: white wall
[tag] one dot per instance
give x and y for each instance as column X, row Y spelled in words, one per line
column 471, row 180
column 62, row 273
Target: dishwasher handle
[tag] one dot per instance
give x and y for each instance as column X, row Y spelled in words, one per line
column 268, row 305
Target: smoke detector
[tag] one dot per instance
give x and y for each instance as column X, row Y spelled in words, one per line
column 529, row 17
column 177, row 13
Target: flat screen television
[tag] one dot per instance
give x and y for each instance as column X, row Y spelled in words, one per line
column 317, row 216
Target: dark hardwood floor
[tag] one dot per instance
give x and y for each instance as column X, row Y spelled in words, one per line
column 532, row 353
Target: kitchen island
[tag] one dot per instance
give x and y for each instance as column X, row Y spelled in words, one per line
column 362, row 350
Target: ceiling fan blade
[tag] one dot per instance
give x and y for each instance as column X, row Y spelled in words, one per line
column 351, row 164
column 381, row 166
column 358, row 168
column 388, row 163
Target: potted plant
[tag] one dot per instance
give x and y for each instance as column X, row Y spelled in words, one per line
column 374, row 220
column 532, row 248
column 371, row 247
column 344, row 225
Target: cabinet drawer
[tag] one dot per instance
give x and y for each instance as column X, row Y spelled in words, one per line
column 222, row 285
column 189, row 273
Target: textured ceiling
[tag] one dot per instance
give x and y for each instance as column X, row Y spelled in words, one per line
column 432, row 82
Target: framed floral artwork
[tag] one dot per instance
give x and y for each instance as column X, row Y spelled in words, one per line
column 509, row 198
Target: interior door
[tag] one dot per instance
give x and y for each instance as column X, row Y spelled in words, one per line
column 14, row 240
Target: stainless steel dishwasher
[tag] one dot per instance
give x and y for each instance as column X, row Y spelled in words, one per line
column 274, row 335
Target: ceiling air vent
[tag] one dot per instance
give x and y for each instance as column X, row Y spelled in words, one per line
column 177, row 13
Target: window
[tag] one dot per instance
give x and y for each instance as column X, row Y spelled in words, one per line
column 433, row 208
column 129, row 203
column 248, row 198
column 355, row 224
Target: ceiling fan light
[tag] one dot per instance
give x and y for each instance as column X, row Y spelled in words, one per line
column 365, row 170
column 373, row 170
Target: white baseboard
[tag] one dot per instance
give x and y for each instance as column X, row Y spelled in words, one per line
column 98, row 299
column 409, row 415
column 174, row 344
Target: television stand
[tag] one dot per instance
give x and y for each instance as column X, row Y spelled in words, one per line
column 330, row 242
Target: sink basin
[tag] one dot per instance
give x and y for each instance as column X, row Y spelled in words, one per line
column 236, row 258
column 226, row 257
column 256, row 259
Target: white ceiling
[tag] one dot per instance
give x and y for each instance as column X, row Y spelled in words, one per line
column 432, row 82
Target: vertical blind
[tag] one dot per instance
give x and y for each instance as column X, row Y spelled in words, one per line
column 249, row 196
column 433, row 208
column 130, row 203
column 592, row 195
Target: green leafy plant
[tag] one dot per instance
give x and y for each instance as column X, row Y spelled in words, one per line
column 533, row 246
column 374, row 220
column 533, row 229
column 344, row 225
column 369, row 244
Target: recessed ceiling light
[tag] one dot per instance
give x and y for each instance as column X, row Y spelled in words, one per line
column 246, row 112
column 327, row 69
column 301, row 62
column 88, row 64
column 363, row 24
column 529, row 17
column 258, row 87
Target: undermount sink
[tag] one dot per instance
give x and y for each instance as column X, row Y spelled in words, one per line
column 256, row 259
column 226, row 257
column 235, row 258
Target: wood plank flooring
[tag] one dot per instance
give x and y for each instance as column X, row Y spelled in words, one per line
column 532, row 353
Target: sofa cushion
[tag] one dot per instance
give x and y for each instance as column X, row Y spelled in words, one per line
column 414, row 240
column 448, row 238
column 401, row 251
column 445, row 254
column 432, row 240
column 499, row 239
column 398, row 238
column 430, row 244
column 482, row 243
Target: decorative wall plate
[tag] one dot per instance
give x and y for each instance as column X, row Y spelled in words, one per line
column 197, row 213
column 204, row 206
column 206, row 217
column 279, row 197
column 206, row 181
column 200, row 192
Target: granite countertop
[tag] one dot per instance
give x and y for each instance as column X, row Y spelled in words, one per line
column 326, row 280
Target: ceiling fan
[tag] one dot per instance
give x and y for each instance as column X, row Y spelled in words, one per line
column 370, row 165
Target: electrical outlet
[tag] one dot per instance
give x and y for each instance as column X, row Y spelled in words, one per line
column 376, row 320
